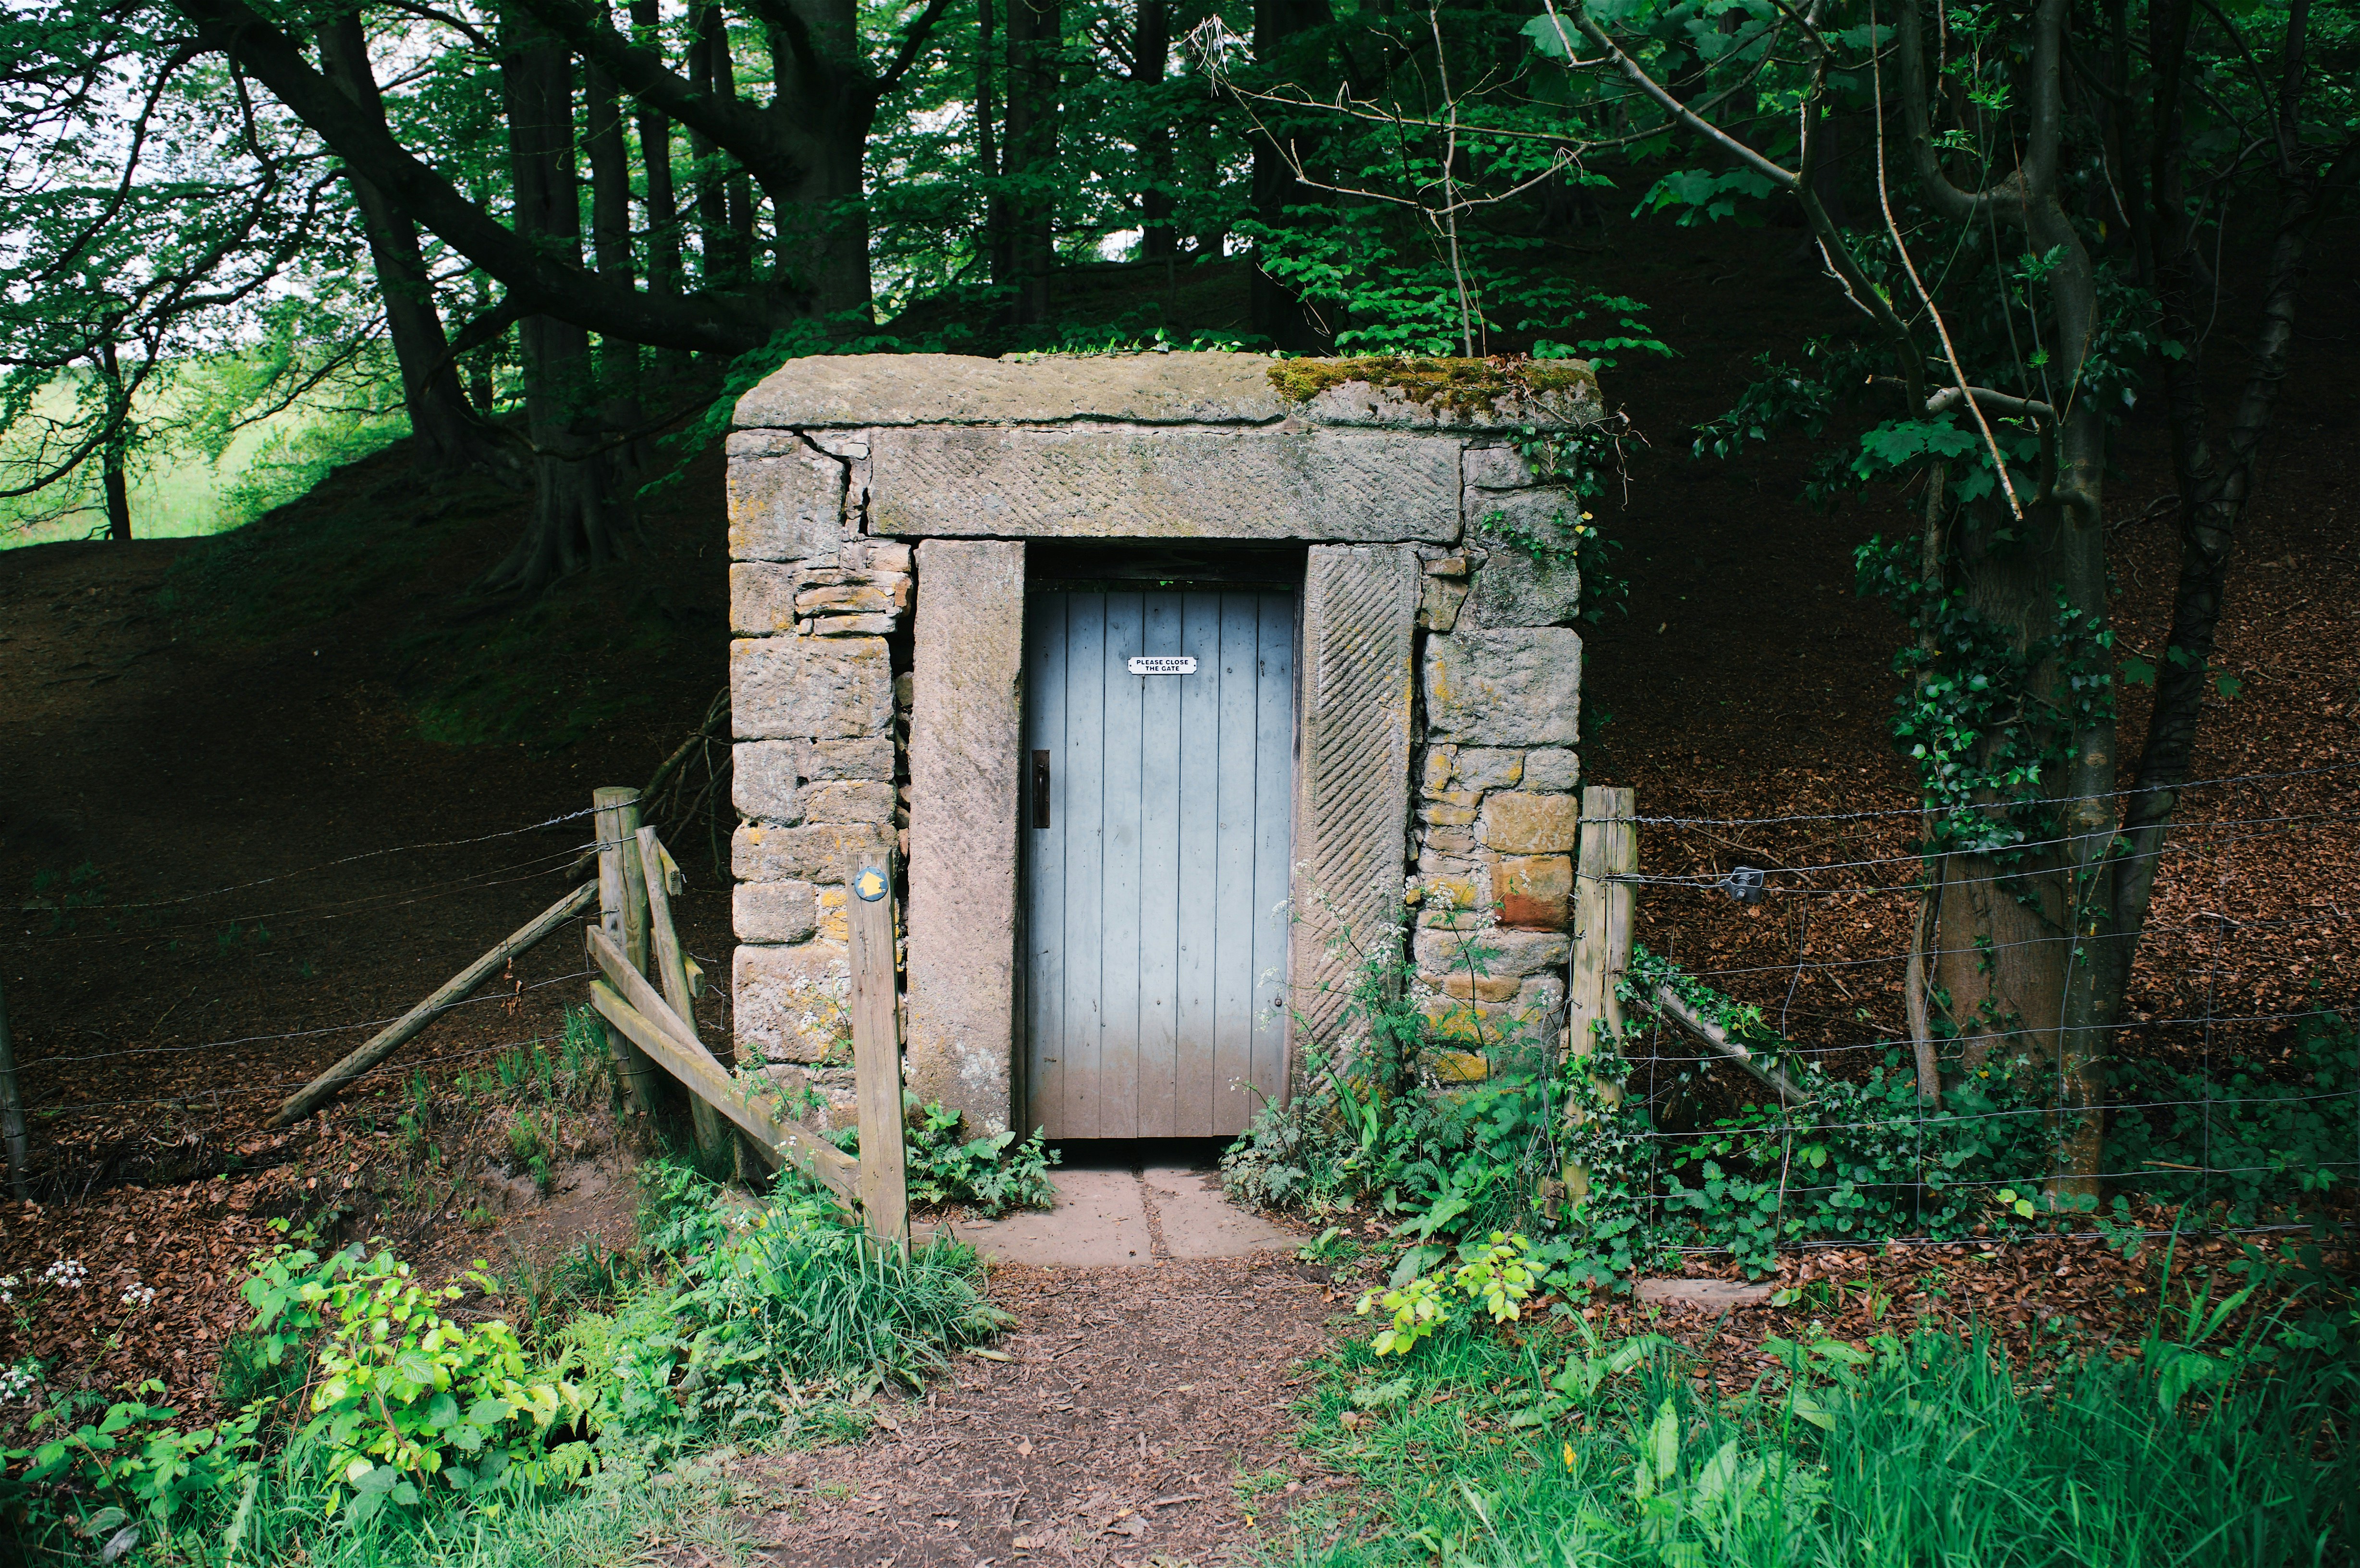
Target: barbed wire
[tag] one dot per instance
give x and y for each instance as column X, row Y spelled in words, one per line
column 277, row 1090
column 1712, row 881
column 1788, row 1124
column 2046, row 801
column 1936, row 951
column 28, row 1063
column 364, row 854
column 340, row 910
column 1966, row 1244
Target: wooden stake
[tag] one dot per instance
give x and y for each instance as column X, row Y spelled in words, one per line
column 617, row 820
column 877, row 1053
column 11, row 1104
column 1602, row 939
column 451, row 992
column 672, row 971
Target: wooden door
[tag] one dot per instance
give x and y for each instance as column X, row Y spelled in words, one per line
column 1156, row 829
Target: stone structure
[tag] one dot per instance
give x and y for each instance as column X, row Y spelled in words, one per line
column 881, row 509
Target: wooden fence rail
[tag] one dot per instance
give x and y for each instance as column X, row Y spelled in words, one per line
column 646, row 993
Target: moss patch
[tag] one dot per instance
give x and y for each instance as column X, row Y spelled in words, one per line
column 1462, row 385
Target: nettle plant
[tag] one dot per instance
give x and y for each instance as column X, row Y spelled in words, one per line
column 1375, row 1122
column 403, row 1400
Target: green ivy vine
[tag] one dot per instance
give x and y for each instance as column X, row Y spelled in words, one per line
column 1972, row 711
column 1579, row 462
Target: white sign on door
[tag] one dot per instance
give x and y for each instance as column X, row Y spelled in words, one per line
column 1164, row 664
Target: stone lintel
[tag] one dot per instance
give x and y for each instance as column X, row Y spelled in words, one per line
column 1127, row 481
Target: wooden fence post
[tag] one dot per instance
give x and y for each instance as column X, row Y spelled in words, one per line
column 622, row 905
column 1602, row 906
column 876, row 1052
column 671, row 970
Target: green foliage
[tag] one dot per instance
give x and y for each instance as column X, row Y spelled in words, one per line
column 1987, row 716
column 1393, row 294
column 67, row 897
column 1372, row 1123
column 993, row 1172
column 131, row 1475
column 375, row 1427
column 1864, row 1160
column 767, row 1309
column 1559, row 1447
column 2254, row 1144
column 576, row 1072
column 1581, row 461
column 1496, row 1274
column 403, row 1398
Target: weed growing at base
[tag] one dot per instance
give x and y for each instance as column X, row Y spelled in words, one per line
column 1551, row 1447
column 1379, row 1121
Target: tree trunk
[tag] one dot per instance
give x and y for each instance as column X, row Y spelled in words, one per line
column 447, row 433
column 718, row 254
column 575, row 520
column 735, row 188
column 1035, row 95
column 111, row 476
column 826, row 100
column 994, row 243
column 1150, row 45
column 2215, row 485
column 610, row 229
column 655, row 164
column 1277, row 311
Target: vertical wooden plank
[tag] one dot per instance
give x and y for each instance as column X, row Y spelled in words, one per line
column 1273, row 815
column 1622, row 898
column 1160, row 805
column 1237, row 899
column 1083, row 811
column 615, row 821
column 1119, row 1036
column 670, row 968
column 1194, row 980
column 876, row 1052
column 1602, row 907
column 1044, row 922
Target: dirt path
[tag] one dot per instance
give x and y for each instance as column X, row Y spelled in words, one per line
column 1142, row 1419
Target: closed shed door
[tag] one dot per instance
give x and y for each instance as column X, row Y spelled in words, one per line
column 1156, row 841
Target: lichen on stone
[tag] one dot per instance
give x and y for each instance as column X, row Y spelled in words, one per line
column 1462, row 386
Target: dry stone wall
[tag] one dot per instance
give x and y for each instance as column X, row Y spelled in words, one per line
column 843, row 468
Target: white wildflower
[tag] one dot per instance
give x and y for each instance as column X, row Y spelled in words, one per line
column 65, row 1274
column 139, row 1297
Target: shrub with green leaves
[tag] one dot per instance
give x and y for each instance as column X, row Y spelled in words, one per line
column 405, row 1397
column 129, row 1476
column 994, row 1173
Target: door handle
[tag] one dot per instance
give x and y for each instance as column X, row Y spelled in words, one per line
column 1040, row 789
